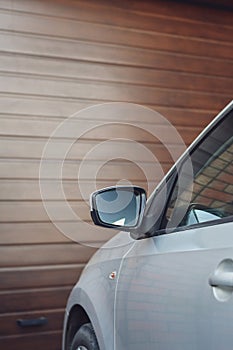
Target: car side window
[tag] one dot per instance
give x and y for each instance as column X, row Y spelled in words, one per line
column 207, row 195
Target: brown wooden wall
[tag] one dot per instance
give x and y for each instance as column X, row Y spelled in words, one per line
column 57, row 57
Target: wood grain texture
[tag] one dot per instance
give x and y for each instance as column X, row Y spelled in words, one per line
column 43, row 340
column 39, row 276
column 47, row 233
column 54, row 48
column 79, row 30
column 58, row 57
column 43, row 254
column 25, row 300
column 69, row 70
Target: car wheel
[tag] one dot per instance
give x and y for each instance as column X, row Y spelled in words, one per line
column 85, row 339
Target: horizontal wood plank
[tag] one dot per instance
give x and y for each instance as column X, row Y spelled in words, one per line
column 47, row 232
column 26, row 300
column 26, row 190
column 111, row 92
column 135, row 14
column 105, row 53
column 150, row 172
column 76, row 129
column 23, row 147
column 35, row 211
column 41, row 254
column 50, row 340
column 79, row 30
column 39, row 276
column 31, row 233
column 19, row 106
column 63, row 68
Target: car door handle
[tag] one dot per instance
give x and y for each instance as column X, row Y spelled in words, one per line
column 221, row 279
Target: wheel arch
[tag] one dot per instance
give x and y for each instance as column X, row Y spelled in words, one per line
column 87, row 304
column 77, row 317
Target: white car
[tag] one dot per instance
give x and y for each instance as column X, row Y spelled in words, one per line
column 167, row 282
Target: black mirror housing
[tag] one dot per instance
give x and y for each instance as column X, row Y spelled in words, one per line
column 118, row 207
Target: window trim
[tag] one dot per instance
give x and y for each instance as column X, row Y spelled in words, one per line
column 195, row 226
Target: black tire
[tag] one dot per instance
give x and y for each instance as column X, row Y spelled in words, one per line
column 85, row 339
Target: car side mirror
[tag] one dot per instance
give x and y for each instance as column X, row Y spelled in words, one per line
column 198, row 213
column 118, row 207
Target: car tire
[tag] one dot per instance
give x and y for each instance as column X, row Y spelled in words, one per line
column 85, row 339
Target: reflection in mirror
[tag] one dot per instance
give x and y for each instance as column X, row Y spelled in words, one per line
column 201, row 216
column 198, row 213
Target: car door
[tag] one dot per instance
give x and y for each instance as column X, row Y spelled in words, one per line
column 174, row 290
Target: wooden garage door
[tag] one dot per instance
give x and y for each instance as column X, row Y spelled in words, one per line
column 56, row 58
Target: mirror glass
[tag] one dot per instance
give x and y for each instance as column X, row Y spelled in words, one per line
column 120, row 206
column 198, row 213
column 199, row 216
